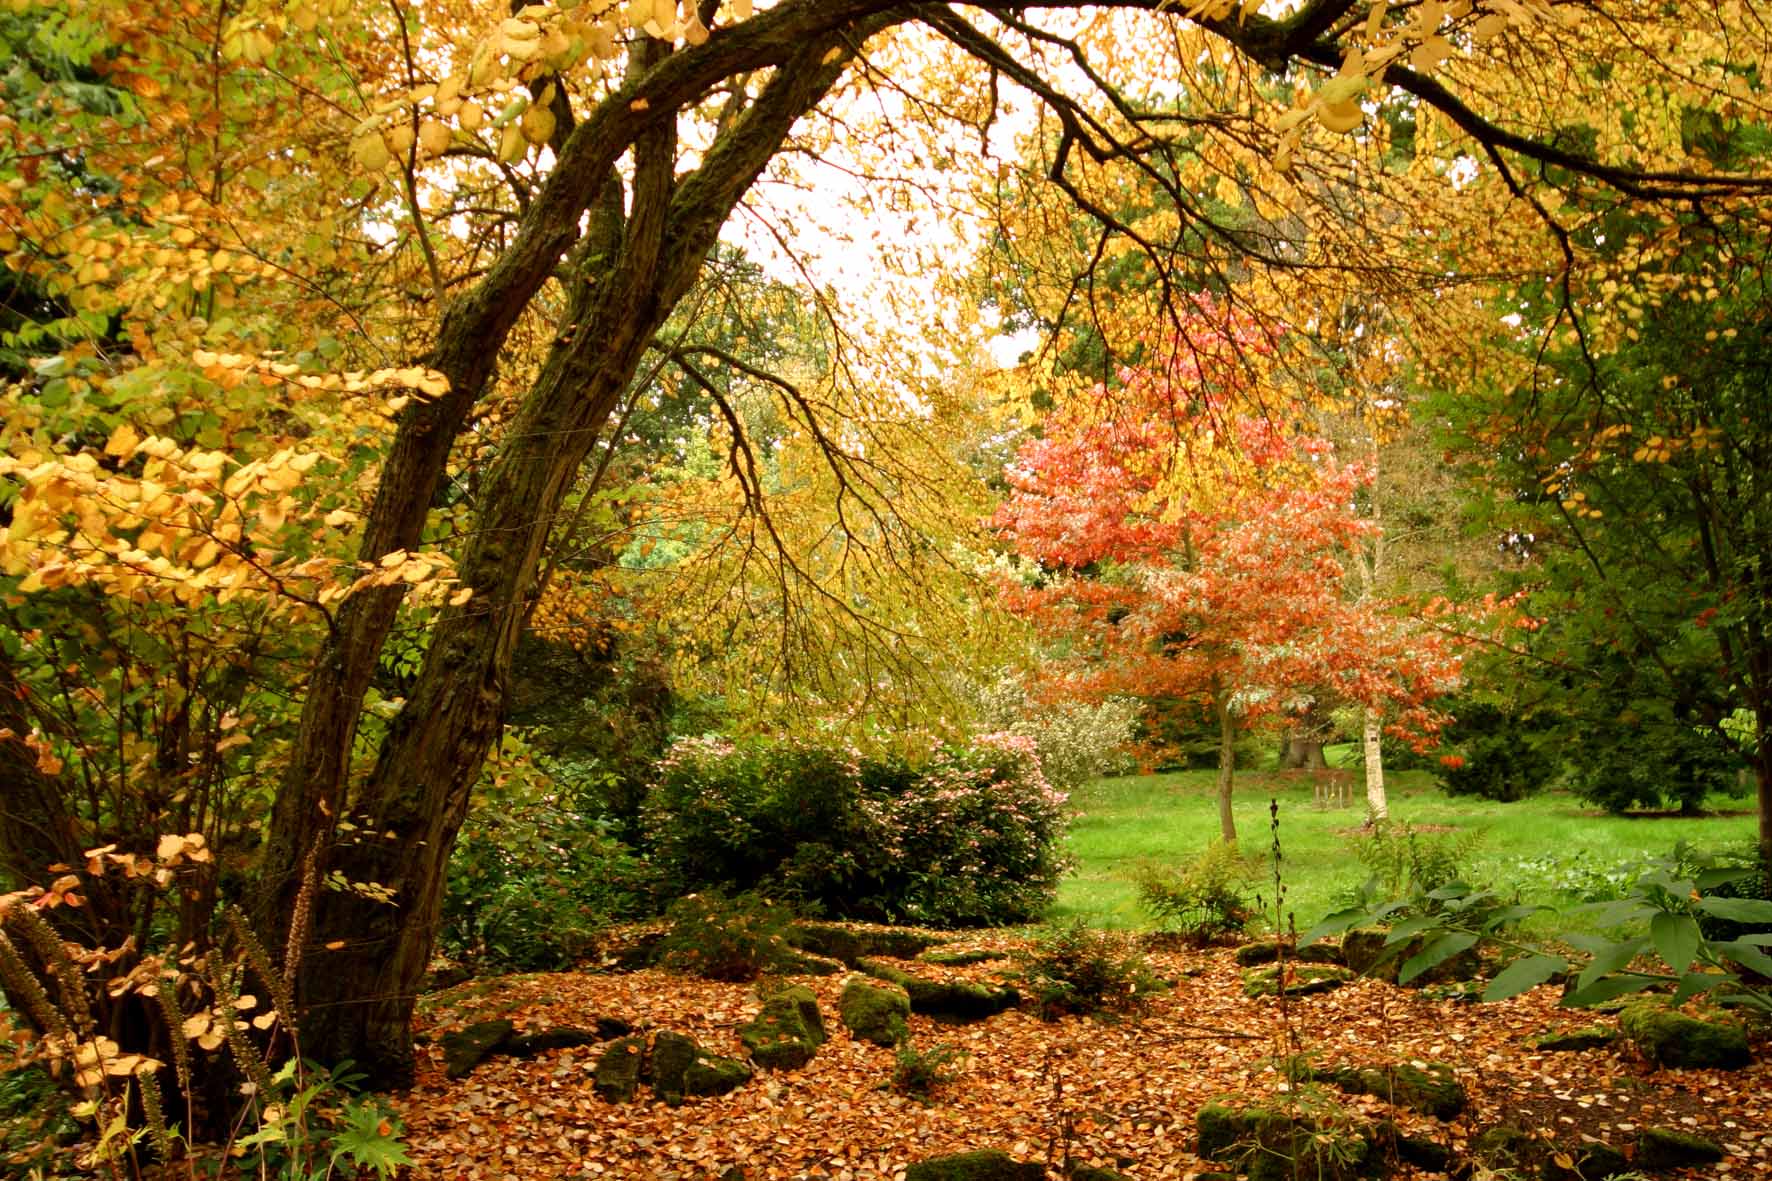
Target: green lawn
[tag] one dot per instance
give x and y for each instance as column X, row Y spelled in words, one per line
column 1169, row 818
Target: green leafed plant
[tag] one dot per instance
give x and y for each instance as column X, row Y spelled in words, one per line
column 1663, row 933
column 1204, row 901
column 918, row 1073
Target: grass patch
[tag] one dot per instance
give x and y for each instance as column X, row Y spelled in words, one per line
column 1547, row 845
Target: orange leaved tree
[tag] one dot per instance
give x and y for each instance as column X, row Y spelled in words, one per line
column 1189, row 550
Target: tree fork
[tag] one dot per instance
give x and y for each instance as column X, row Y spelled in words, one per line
column 417, row 796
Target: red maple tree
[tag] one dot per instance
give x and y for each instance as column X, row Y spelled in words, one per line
column 1191, row 549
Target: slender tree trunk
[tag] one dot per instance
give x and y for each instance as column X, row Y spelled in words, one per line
column 1227, row 766
column 1377, row 806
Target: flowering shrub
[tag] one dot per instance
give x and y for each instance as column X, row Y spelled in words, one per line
column 969, row 838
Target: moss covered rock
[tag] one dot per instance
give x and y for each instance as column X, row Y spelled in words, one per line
column 616, row 1076
column 875, row 1012
column 1269, row 1143
column 788, row 1032
column 1301, row 979
column 955, row 1000
column 849, row 942
column 467, row 1048
column 677, row 1068
column 985, row 1165
column 1432, row 1091
column 959, row 959
column 1668, row 1148
column 1266, row 951
column 1590, row 1037
column 1091, row 1173
column 1668, row 1038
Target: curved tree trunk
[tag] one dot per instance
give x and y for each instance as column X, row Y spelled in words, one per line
column 376, row 941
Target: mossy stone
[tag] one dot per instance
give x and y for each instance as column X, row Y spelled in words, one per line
column 1091, row 1173
column 1668, row 1038
column 1266, row 951
column 850, row 943
column 1419, row 1151
column 467, row 1048
column 678, row 1067
column 1669, row 1148
column 1301, row 980
column 1590, row 1037
column 714, row 1074
column 957, row 1000
column 788, row 1031
column 875, row 1012
column 1505, row 1148
column 987, row 1164
column 960, row 959
column 616, row 1075
column 1502, row 1147
column 1434, row 1091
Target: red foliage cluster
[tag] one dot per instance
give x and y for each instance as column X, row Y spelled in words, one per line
column 1191, row 549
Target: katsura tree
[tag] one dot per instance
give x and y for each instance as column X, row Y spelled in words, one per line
column 400, row 266
column 1188, row 549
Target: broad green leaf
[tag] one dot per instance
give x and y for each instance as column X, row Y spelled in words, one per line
column 1409, row 928
column 1333, row 924
column 1525, row 973
column 1710, row 879
column 1507, row 916
column 1676, row 938
column 1620, row 913
column 1436, row 953
column 1738, row 910
column 1608, row 989
column 1746, row 954
column 1693, row 983
column 1609, row 960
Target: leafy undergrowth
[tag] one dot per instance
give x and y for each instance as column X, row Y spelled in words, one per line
column 1128, row 1090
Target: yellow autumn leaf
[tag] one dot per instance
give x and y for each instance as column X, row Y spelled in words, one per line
column 1341, row 118
column 537, row 124
column 122, row 441
column 371, row 152
column 433, row 138
column 472, row 116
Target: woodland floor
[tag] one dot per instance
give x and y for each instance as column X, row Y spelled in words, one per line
column 1131, row 1088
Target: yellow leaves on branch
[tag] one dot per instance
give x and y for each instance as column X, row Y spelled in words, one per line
column 1422, row 34
column 544, row 40
column 151, row 521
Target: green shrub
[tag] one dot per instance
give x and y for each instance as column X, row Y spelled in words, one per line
column 1404, row 862
column 918, row 1072
column 1074, row 968
column 1651, row 765
column 532, row 887
column 969, row 838
column 1205, row 901
column 1490, row 752
column 720, row 938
